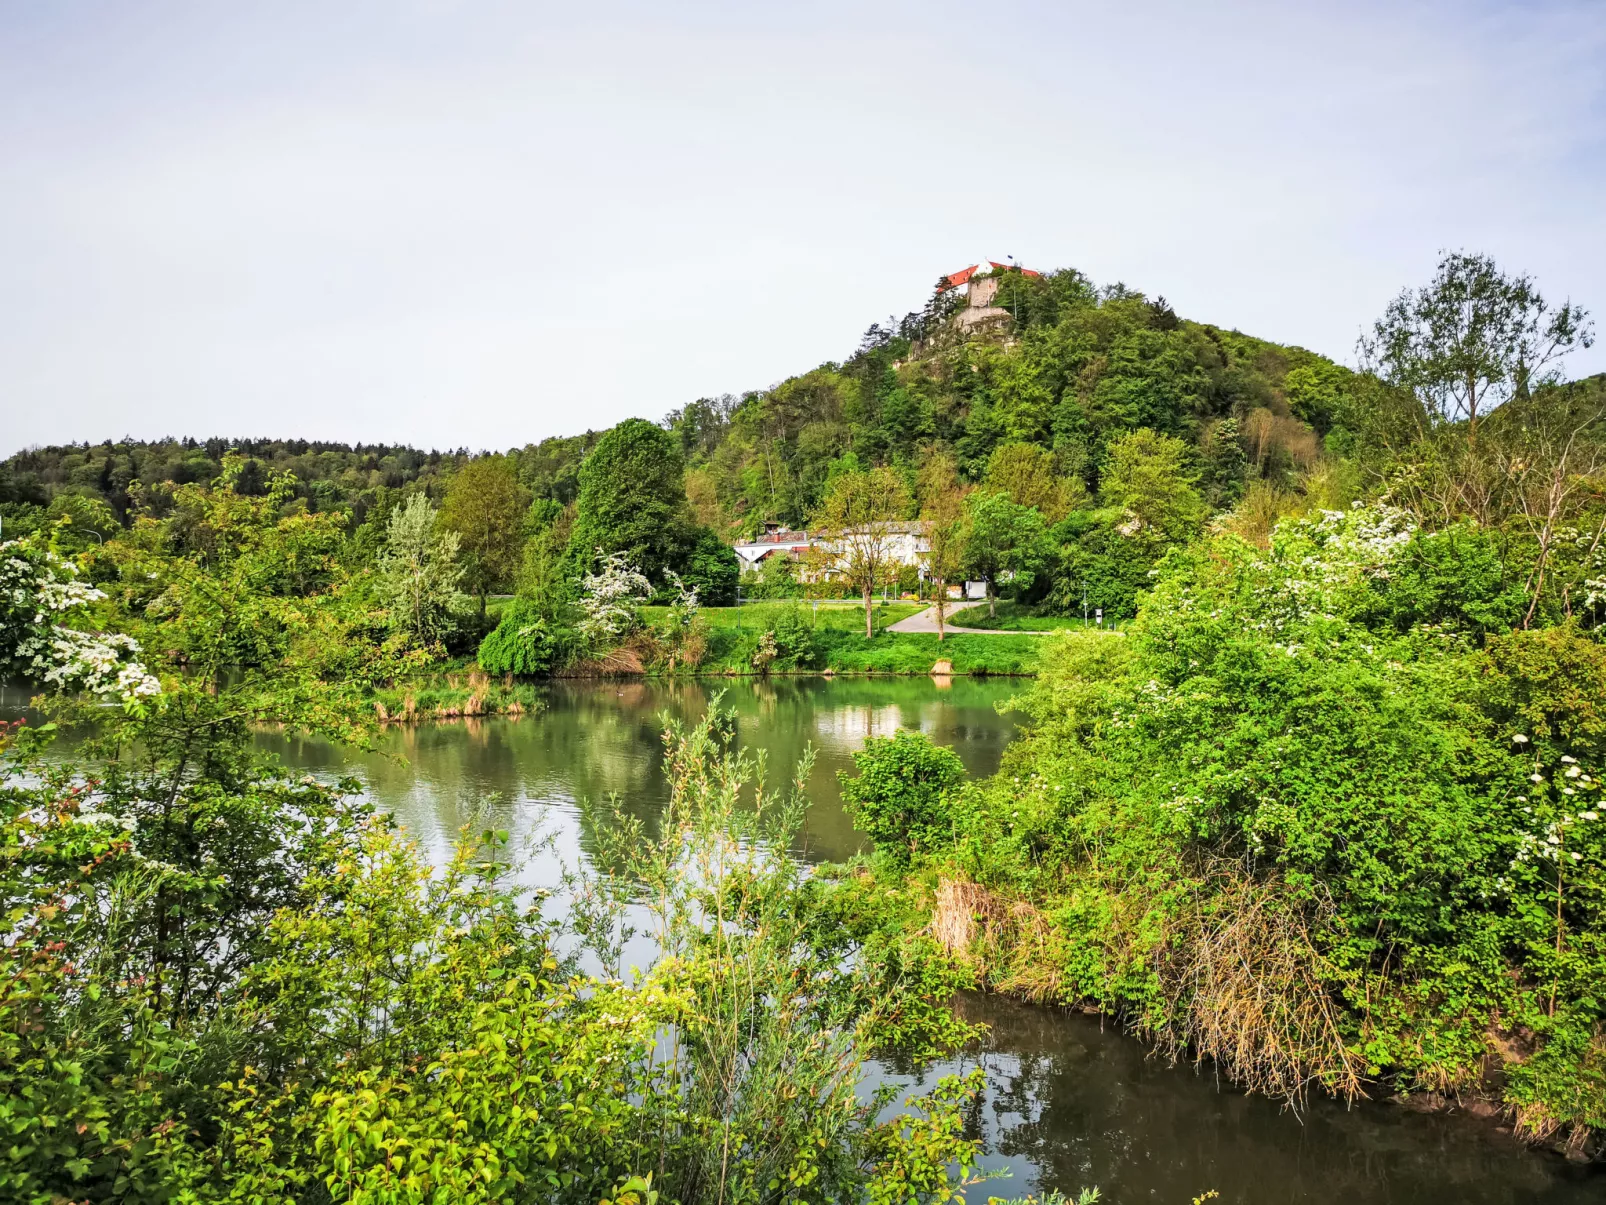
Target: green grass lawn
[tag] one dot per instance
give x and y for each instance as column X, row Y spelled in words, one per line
column 831, row 615
column 1012, row 617
column 840, row 646
column 917, row 652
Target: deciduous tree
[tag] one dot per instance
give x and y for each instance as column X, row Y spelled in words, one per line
column 856, row 519
column 633, row 500
column 1147, row 474
column 486, row 506
column 1472, row 339
column 419, row 573
column 942, row 498
column 1026, row 473
column 1001, row 538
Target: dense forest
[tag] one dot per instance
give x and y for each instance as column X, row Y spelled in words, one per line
column 1323, row 809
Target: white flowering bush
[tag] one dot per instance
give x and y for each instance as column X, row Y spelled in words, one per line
column 610, row 598
column 40, row 592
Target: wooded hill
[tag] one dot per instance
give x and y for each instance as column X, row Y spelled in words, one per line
column 1079, row 366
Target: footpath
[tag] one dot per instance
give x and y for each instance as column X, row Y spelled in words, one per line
column 926, row 621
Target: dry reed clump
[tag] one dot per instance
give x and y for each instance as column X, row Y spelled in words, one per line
column 1240, row 976
column 1007, row 942
column 1246, row 986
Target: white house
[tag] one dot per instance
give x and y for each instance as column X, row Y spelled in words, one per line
column 775, row 540
column 904, row 543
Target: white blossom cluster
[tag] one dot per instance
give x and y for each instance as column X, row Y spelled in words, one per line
column 1314, row 558
column 686, row 604
column 1569, row 783
column 609, row 598
column 37, row 590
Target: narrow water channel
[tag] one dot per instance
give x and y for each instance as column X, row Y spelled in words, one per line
column 1071, row 1102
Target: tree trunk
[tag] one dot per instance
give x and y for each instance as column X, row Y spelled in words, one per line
column 869, row 620
column 992, row 601
column 941, row 595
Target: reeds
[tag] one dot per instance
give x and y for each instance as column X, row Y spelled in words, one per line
column 1239, row 971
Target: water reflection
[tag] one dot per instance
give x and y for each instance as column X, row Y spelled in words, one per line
column 597, row 740
column 1073, row 1102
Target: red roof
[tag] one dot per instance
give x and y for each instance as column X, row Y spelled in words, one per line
column 963, row 276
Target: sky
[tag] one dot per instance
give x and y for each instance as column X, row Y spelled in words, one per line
column 480, row 224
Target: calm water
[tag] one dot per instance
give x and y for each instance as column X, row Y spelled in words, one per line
column 1070, row 1102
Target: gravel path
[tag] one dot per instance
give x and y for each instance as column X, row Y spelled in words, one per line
column 926, row 621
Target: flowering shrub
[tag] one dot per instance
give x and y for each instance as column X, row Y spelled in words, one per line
column 610, row 598
column 39, row 592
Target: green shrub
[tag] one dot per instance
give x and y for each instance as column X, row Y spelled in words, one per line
column 522, row 643
column 1324, row 767
column 794, row 640
column 901, row 797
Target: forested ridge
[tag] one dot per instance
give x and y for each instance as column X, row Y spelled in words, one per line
column 1079, row 366
column 1325, row 808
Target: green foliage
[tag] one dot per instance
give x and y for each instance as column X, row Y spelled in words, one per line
column 521, row 643
column 857, row 515
column 487, row 509
column 900, row 797
column 420, row 573
column 1101, row 565
column 787, row 645
column 632, row 500
column 712, row 570
column 127, row 474
column 1003, row 541
column 775, row 577
column 1146, row 474
column 1336, row 763
column 227, row 985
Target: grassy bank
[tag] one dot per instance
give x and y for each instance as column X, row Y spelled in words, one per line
column 1013, row 617
column 832, row 615
column 787, row 637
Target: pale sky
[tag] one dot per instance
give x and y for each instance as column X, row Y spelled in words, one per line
column 477, row 224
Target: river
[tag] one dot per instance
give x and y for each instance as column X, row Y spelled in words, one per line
column 1071, row 1102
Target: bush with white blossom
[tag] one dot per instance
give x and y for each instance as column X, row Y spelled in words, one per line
column 40, row 592
column 610, row 598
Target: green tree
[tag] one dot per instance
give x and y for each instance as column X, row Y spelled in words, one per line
column 1472, row 339
column 1001, row 539
column 942, row 508
column 1147, row 474
column 712, row 570
column 633, row 500
column 486, row 507
column 542, row 574
column 1026, row 473
column 419, row 574
column 857, row 519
